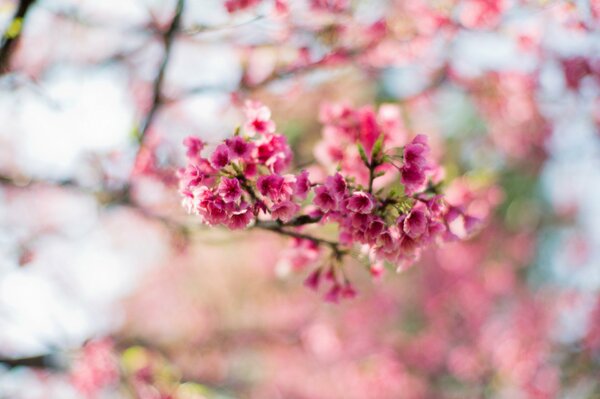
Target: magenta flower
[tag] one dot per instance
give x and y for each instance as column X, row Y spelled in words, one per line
column 415, row 224
column 230, row 189
column 413, row 178
column 302, row 185
column 220, row 158
column 212, row 209
column 337, row 186
column 275, row 187
column 348, row 291
column 324, row 199
column 372, row 232
column 240, row 219
column 360, row 202
column 313, row 280
column 333, row 295
column 274, row 152
column 194, row 146
column 388, row 240
column 284, row 211
column 369, row 130
column 258, row 119
column 416, row 151
column 359, row 220
column 191, row 176
column 239, row 148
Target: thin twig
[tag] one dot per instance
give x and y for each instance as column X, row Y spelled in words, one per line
column 167, row 38
column 11, row 36
column 279, row 228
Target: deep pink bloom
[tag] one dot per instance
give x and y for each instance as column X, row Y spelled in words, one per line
column 194, row 146
column 416, row 151
column 240, row 219
column 239, row 148
column 360, row 202
column 236, row 5
column 192, row 176
column 302, row 185
column 313, row 280
column 214, row 210
column 220, row 158
column 302, row 253
column 333, row 295
column 415, row 224
column 377, row 268
column 324, row 199
column 388, row 240
column 437, row 205
column 359, row 220
column 275, row 187
column 348, row 291
column 230, row 189
column 376, row 227
column 369, row 129
column 258, row 119
column 337, row 185
column 413, row 178
column 273, row 151
column 284, row 211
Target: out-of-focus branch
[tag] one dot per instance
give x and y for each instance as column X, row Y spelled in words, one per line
column 11, row 36
column 278, row 74
column 105, row 197
column 168, row 37
column 47, row 362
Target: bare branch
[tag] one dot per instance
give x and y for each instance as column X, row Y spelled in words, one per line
column 167, row 38
column 11, row 36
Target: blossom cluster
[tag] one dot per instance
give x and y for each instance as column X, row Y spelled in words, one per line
column 244, row 181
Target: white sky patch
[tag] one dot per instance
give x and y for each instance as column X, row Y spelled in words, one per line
column 93, row 112
column 204, row 65
column 71, row 289
column 477, row 52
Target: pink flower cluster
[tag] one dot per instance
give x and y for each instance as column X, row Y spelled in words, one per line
column 244, row 181
column 243, row 176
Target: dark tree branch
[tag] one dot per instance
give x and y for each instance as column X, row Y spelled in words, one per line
column 9, row 38
column 280, row 228
column 47, row 362
column 168, row 37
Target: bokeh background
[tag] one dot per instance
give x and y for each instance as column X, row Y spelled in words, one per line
column 108, row 290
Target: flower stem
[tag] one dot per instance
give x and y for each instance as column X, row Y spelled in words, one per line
column 279, row 228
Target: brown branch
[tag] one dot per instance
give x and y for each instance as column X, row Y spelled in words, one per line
column 10, row 39
column 48, row 362
column 280, row 228
column 168, row 38
column 277, row 75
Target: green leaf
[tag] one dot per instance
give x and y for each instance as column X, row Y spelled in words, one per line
column 14, row 29
column 363, row 154
column 377, row 148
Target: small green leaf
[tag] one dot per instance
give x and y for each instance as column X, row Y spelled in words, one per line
column 363, row 154
column 14, row 29
column 377, row 147
column 135, row 134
